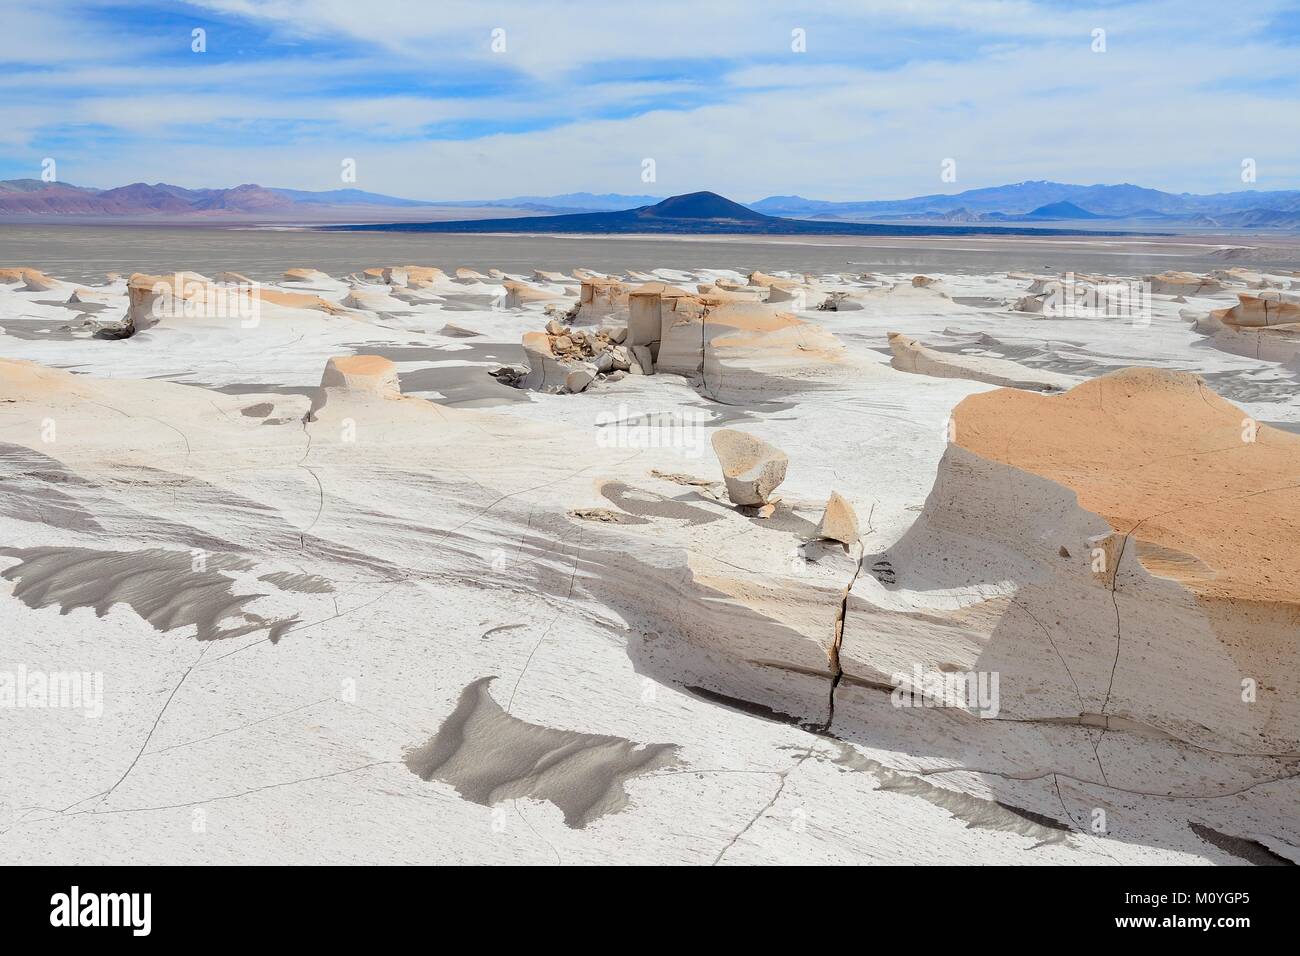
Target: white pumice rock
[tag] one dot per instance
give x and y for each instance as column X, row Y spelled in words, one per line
column 751, row 467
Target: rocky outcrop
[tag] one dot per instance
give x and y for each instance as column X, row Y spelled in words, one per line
column 911, row 356
column 520, row 294
column 33, row 280
column 601, row 300
column 553, row 355
column 736, row 348
column 1265, row 310
column 651, row 306
column 362, row 376
column 1182, row 283
column 305, row 275
column 1263, row 326
column 751, row 467
column 1135, row 586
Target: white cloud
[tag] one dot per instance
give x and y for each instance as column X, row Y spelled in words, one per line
column 1016, row 94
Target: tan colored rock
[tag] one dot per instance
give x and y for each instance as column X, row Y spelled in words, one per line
column 1139, row 583
column 546, row 370
column 298, row 300
column 1182, row 283
column 365, row 376
column 304, row 275
column 839, row 522
column 1268, row 343
column 150, row 298
column 411, row 276
column 372, row 299
column 751, row 468
column 519, row 294
column 34, row 280
column 600, row 299
column 1265, row 309
column 622, row 358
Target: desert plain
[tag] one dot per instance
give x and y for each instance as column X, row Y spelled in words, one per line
column 726, row 561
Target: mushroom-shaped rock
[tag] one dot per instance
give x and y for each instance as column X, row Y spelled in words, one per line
column 840, row 522
column 362, row 375
column 750, row 466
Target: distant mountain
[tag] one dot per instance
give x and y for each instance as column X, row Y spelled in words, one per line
column 692, row 214
column 702, row 205
column 347, row 197
column 1028, row 200
column 34, row 197
column 565, row 202
column 31, row 197
column 1061, row 210
column 33, row 185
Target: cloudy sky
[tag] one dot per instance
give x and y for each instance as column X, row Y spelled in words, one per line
column 832, row 100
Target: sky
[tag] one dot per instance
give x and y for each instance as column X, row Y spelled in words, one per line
column 860, row 99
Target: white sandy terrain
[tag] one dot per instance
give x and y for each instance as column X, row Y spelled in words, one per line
column 370, row 576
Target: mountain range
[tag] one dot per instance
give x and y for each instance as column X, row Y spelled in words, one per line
column 1027, row 202
column 36, row 197
column 1038, row 200
column 701, row 213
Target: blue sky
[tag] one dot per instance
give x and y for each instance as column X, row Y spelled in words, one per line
column 717, row 94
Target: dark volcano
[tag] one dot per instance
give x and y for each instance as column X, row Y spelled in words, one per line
column 704, row 205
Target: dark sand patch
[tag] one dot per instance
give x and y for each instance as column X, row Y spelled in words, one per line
column 649, row 504
column 978, row 813
column 29, row 489
column 301, row 583
column 1251, row 851
column 490, row 756
column 161, row 586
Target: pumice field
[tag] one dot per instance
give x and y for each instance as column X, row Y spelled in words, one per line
column 424, row 564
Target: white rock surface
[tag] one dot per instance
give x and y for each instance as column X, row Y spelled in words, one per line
column 326, row 632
